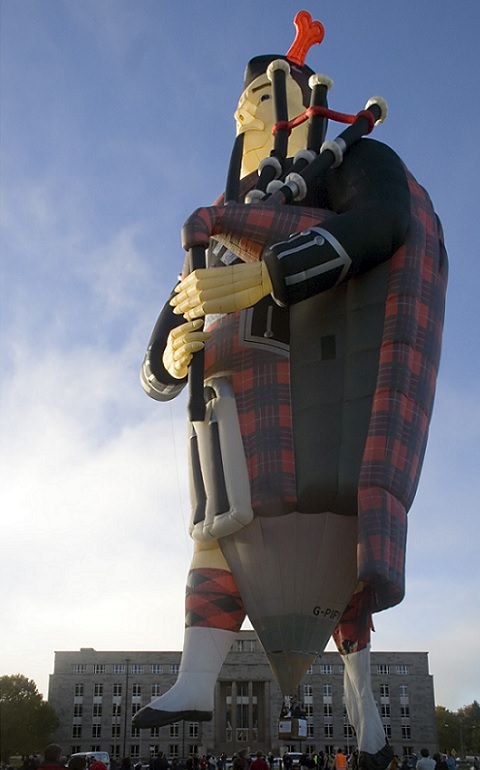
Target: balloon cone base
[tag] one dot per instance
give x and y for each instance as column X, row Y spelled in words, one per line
column 296, row 574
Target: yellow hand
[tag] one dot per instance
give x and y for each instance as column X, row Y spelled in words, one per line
column 182, row 343
column 221, row 290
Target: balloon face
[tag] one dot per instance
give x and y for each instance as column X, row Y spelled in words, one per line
column 254, row 117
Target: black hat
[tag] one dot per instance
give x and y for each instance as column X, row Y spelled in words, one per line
column 308, row 33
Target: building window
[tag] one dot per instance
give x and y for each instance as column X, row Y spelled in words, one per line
column 384, row 691
column 174, row 667
column 405, row 712
column 174, row 730
column 307, row 690
column 97, row 710
column 134, row 751
column 77, row 710
column 308, row 708
column 156, row 690
column 327, row 710
column 310, row 730
column 173, row 749
column 327, row 690
column 154, row 732
column 79, row 668
column 309, row 670
column 96, row 731
column 77, row 731
column 117, row 690
column 403, row 690
column 156, row 668
column 137, row 668
column 135, row 732
column 116, row 731
column 388, row 731
column 193, row 731
column 78, row 690
column 406, row 734
column 383, row 669
column 136, row 690
column 325, row 668
column 328, row 729
column 245, row 645
column 385, row 710
column 118, row 668
column 99, row 668
column 136, row 707
column 98, row 690
column 402, row 669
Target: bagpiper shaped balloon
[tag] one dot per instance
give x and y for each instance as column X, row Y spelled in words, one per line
column 312, row 342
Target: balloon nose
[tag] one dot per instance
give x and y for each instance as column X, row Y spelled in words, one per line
column 248, row 122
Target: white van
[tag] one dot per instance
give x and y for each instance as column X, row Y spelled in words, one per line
column 94, row 756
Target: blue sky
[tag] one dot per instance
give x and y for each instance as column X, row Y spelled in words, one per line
column 116, row 123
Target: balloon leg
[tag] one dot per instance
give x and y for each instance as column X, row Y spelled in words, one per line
column 214, row 614
column 352, row 637
column 191, row 697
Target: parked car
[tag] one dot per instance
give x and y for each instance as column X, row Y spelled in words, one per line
column 98, row 756
column 296, row 757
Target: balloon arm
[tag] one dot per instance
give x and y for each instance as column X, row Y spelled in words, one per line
column 156, row 381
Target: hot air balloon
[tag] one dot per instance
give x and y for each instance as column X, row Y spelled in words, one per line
column 311, row 341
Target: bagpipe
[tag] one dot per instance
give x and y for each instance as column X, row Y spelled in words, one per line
column 279, row 182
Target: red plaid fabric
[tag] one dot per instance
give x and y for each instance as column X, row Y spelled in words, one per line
column 402, row 402
column 353, row 632
column 247, row 229
column 212, row 600
column 261, row 383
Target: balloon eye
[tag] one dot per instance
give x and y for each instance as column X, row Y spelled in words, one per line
column 265, row 97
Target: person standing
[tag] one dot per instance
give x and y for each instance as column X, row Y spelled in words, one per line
column 259, row 763
column 340, row 760
column 426, row 762
column 52, row 758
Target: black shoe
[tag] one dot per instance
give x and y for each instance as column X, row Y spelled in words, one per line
column 148, row 717
column 378, row 761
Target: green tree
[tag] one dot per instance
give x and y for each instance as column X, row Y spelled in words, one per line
column 26, row 720
column 446, row 729
column 459, row 730
column 469, row 723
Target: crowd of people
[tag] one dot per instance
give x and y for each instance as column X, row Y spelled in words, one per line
column 54, row 759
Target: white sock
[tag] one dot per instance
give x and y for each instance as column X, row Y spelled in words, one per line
column 360, row 704
column 204, row 651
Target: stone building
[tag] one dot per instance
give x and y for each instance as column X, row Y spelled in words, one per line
column 96, row 693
